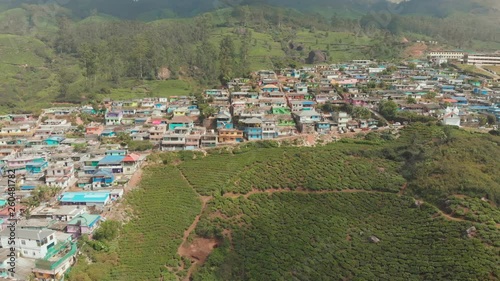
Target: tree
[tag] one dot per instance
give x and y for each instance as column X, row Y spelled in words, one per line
column 107, row 231
column 209, row 111
column 226, row 60
column 430, row 96
column 388, row 109
column 491, row 119
column 89, row 58
column 361, row 112
column 411, row 100
column 482, row 121
column 80, row 147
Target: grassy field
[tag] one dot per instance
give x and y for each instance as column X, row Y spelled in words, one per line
column 472, row 69
column 493, row 68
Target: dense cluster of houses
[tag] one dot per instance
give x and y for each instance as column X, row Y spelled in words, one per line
column 45, row 151
column 80, row 186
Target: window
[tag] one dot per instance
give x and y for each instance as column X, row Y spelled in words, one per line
column 25, row 252
column 23, row 242
column 51, row 237
column 34, row 254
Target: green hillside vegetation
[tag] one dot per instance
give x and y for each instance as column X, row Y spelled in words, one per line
column 106, row 51
column 333, row 167
column 163, row 208
column 23, row 72
column 288, row 236
column 300, row 213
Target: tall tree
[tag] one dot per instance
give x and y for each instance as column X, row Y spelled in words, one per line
column 226, row 60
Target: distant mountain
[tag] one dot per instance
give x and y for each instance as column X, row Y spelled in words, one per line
column 137, row 9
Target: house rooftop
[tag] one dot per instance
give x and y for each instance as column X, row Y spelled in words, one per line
column 84, row 220
column 84, row 197
column 30, row 234
column 111, row 159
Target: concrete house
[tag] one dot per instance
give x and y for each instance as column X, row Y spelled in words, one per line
column 83, row 224
column 30, row 243
column 113, row 118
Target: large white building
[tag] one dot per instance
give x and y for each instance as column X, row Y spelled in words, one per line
column 482, row 59
column 30, row 243
column 446, row 56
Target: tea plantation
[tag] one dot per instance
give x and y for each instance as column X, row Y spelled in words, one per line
column 419, row 204
column 290, row 236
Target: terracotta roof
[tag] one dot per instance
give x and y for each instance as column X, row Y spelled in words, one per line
column 132, row 157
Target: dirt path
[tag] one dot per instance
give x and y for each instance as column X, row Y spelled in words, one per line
column 118, row 210
column 304, row 191
column 200, row 248
column 79, row 120
column 298, row 190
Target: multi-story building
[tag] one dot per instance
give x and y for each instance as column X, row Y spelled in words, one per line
column 482, row 59
column 59, row 175
column 30, row 243
column 57, row 262
column 173, row 141
column 230, row 136
column 446, row 55
column 113, row 117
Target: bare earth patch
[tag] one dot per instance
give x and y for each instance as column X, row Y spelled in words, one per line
column 199, row 250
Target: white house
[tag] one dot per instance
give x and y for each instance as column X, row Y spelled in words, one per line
column 451, row 117
column 342, row 119
column 30, row 243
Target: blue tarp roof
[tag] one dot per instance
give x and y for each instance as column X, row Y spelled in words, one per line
column 459, row 98
column 111, row 159
column 55, row 138
column 101, row 173
column 84, row 197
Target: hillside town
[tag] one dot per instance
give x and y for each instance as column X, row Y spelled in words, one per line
column 72, row 164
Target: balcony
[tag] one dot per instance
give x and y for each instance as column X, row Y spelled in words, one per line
column 56, row 256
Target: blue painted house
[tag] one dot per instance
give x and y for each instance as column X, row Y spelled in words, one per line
column 461, row 100
column 270, row 88
column 36, row 167
column 323, row 126
column 107, row 134
column 102, row 179
column 252, row 128
column 224, row 120
column 180, row 121
column 112, row 163
column 54, row 141
column 479, row 91
column 98, row 199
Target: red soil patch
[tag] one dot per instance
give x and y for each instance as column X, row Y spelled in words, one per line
column 416, row 50
column 199, row 250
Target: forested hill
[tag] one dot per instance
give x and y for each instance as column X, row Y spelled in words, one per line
column 82, row 50
column 133, row 9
